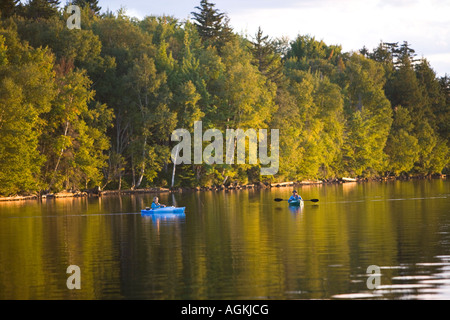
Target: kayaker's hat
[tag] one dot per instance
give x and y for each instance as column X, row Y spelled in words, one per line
column 294, row 191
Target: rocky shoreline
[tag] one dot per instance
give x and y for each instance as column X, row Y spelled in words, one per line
column 100, row 193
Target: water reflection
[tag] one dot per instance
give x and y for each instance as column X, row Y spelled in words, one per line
column 419, row 281
column 296, row 210
column 233, row 245
column 165, row 217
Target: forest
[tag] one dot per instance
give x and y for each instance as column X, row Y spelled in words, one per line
column 95, row 107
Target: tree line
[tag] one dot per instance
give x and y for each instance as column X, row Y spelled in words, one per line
column 96, row 106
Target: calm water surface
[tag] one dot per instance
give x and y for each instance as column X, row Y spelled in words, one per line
column 233, row 245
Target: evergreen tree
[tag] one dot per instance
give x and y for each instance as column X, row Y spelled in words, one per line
column 383, row 54
column 306, row 53
column 213, row 26
column 44, row 9
column 267, row 60
column 404, row 89
column 208, row 20
column 405, row 51
column 436, row 107
column 307, row 47
column 92, row 4
column 364, row 51
column 443, row 115
column 8, row 7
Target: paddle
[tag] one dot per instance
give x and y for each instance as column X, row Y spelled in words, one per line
column 279, row 200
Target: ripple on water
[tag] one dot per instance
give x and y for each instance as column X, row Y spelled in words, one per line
column 409, row 278
column 361, row 295
column 433, row 283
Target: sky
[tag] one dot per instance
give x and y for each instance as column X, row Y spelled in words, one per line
column 424, row 24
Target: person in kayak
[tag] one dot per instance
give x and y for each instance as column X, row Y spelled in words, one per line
column 294, row 197
column 156, row 204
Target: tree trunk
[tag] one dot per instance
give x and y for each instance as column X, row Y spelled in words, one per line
column 174, row 166
column 141, row 176
column 59, row 158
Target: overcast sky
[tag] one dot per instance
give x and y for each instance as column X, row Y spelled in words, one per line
column 425, row 24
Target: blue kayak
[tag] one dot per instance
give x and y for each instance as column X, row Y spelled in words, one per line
column 165, row 210
column 295, row 203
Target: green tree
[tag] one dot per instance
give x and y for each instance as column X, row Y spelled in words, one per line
column 43, row 9
column 384, row 55
column 212, row 25
column 122, row 44
column 442, row 112
column 189, row 109
column 82, row 47
column 26, row 92
column 307, row 47
column 91, row 157
column 433, row 151
column 287, row 120
column 402, row 147
column 310, row 144
column 404, row 89
column 330, row 104
column 437, row 107
column 439, row 157
column 369, row 115
column 266, row 58
column 149, row 116
column 101, row 103
column 74, row 151
column 93, row 5
column 301, row 127
column 246, row 99
column 8, row 7
column 308, row 54
column 208, row 20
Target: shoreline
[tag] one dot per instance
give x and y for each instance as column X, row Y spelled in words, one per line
column 257, row 186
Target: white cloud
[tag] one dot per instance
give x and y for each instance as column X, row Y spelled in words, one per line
column 425, row 24
column 440, row 62
column 353, row 24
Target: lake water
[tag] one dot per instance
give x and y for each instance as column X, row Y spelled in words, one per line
column 234, row 245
